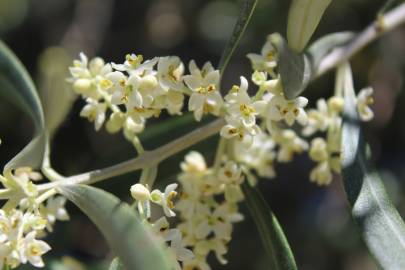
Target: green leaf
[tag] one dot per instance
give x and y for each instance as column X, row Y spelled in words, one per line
column 116, row 264
column 245, row 14
column 132, row 241
column 273, row 238
column 379, row 222
column 17, row 86
column 303, row 18
column 294, row 68
column 390, row 4
column 321, row 47
column 56, row 94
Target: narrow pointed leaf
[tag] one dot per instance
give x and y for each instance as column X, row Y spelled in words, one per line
column 131, row 241
column 245, row 14
column 294, row 68
column 303, row 18
column 380, row 225
column 56, row 94
column 274, row 241
column 16, row 85
column 321, row 47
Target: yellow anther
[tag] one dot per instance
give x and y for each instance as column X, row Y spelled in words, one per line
column 170, row 198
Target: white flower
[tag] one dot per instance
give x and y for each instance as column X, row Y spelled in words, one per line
column 88, row 78
column 134, row 66
column 321, row 174
column 176, row 245
column 288, row 110
column 170, row 72
column 94, row 112
column 289, row 144
column 174, row 101
column 132, row 61
column 204, row 83
column 125, row 90
column 217, row 245
column 55, row 209
column 4, row 226
column 34, row 222
column 318, row 119
column 364, row 99
column 218, row 221
column 33, row 249
column 26, row 174
column 140, row 193
column 11, row 225
column 273, row 85
column 194, row 162
column 199, row 262
column 320, row 152
column 165, row 199
column 260, row 155
column 230, row 173
column 236, row 129
column 240, row 105
column 266, row 61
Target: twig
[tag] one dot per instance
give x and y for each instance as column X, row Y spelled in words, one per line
column 147, row 159
column 384, row 24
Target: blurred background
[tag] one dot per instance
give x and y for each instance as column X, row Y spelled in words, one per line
column 47, row 34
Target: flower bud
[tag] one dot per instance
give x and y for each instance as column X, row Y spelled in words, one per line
column 140, row 192
column 96, row 65
column 82, row 86
column 318, row 151
column 114, row 124
column 148, row 82
column 336, row 104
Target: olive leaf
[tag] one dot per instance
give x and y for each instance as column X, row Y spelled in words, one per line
column 324, row 45
column 245, row 14
column 274, row 241
column 303, row 18
column 380, row 225
column 130, row 239
column 17, row 86
column 56, row 95
column 294, row 68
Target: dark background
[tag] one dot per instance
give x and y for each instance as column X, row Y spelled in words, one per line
column 315, row 219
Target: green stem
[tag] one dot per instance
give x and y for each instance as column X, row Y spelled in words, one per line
column 147, row 159
column 220, row 152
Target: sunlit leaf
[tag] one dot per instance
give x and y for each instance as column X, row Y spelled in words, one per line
column 303, row 18
column 56, row 94
column 245, row 14
column 380, row 225
column 16, row 85
column 294, row 68
column 274, row 241
column 130, row 240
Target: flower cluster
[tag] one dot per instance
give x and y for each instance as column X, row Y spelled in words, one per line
column 261, row 128
column 24, row 222
column 208, row 208
column 143, row 197
column 137, row 90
